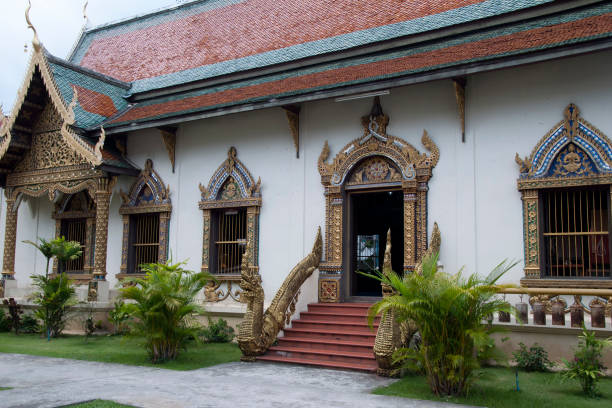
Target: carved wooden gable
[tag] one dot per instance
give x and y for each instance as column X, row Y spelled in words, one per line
column 49, row 149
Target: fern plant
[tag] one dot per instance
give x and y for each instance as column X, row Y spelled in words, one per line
column 448, row 311
column 163, row 308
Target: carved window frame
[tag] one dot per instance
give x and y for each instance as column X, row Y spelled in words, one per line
column 62, row 213
column 213, row 197
column 160, row 203
column 545, row 169
column 412, row 171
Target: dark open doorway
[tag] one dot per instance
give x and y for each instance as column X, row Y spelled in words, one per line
column 371, row 215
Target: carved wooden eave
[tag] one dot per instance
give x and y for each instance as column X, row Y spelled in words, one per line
column 168, row 134
column 15, row 132
column 293, row 118
column 459, row 85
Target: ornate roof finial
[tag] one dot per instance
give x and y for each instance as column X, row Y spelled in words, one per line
column 100, row 144
column 85, row 13
column 35, row 41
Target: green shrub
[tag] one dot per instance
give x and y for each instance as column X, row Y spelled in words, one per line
column 448, row 311
column 587, row 366
column 54, row 297
column 118, row 316
column 29, row 324
column 218, row 332
column 163, row 308
column 533, row 359
column 5, row 324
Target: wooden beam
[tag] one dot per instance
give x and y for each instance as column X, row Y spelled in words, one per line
column 459, row 84
column 293, row 117
column 168, row 134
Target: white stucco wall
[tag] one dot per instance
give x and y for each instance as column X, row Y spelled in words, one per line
column 472, row 195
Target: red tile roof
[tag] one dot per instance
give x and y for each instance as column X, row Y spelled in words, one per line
column 246, row 28
column 95, row 102
column 499, row 45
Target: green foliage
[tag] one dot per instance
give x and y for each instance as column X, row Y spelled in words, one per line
column 29, row 324
column 60, row 248
column 5, row 323
column 119, row 316
column 448, row 311
column 587, row 367
column 54, row 296
column 218, row 332
column 163, row 308
column 533, row 359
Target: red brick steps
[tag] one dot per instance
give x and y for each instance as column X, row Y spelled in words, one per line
column 333, row 335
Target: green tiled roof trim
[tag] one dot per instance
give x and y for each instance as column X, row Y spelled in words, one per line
column 492, row 33
column 460, row 15
column 66, row 76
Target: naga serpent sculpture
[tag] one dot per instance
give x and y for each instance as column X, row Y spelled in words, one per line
column 392, row 335
column 259, row 330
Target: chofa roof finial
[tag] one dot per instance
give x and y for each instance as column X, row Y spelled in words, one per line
column 35, row 41
column 85, row 13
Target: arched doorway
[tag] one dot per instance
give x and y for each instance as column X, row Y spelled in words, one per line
column 374, row 183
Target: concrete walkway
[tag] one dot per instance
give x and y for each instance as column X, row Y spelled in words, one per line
column 53, row 382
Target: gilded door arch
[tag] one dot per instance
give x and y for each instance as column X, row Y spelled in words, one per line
column 374, row 160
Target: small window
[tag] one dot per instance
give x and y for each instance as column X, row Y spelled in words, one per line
column 575, row 233
column 230, row 240
column 74, row 230
column 144, row 240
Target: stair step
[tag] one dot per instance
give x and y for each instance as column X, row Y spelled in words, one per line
column 369, row 367
column 340, row 307
column 348, row 352
column 331, row 334
column 322, row 324
column 327, row 344
column 335, row 317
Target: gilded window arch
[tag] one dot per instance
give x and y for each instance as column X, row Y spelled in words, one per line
column 148, row 195
column 75, row 219
column 574, row 155
column 374, row 159
column 231, row 187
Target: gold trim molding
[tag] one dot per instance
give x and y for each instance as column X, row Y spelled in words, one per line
column 372, row 161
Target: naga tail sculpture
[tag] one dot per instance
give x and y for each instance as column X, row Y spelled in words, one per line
column 259, row 330
column 392, row 335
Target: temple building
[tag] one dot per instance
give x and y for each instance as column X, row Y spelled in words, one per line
column 190, row 132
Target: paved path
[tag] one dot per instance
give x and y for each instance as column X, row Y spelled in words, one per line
column 53, row 382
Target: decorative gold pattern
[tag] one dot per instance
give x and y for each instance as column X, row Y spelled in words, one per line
column 148, row 194
column 329, row 291
column 377, row 159
column 259, row 330
column 293, row 117
column 231, row 186
column 10, row 239
column 169, row 138
column 560, row 159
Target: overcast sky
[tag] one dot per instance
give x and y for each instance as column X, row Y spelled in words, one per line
column 59, row 23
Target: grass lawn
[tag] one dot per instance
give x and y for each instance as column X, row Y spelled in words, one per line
column 5, row 388
column 100, row 404
column 495, row 388
column 116, row 349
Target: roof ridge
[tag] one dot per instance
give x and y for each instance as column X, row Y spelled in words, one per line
column 151, row 13
column 87, row 71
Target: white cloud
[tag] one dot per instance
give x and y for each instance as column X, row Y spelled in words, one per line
column 59, row 23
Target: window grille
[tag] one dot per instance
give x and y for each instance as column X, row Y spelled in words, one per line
column 145, row 240
column 576, row 233
column 231, row 240
column 74, row 230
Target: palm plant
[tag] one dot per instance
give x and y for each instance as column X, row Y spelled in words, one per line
column 66, row 251
column 54, row 296
column 164, row 307
column 448, row 311
column 47, row 248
